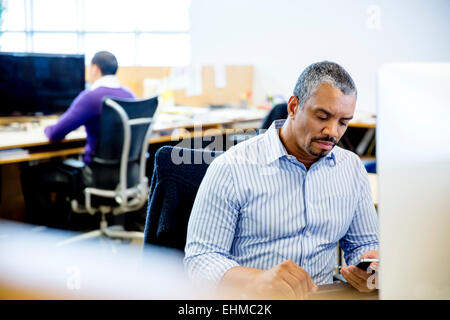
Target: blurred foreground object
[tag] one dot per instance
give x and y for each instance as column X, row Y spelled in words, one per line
column 413, row 166
column 32, row 266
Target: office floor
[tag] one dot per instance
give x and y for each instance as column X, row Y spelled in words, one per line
column 105, row 245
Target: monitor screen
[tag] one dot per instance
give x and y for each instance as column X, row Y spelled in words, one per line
column 39, row 84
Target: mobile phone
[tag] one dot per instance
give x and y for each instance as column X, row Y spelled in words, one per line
column 365, row 263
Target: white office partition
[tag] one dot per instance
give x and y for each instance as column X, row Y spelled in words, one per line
column 413, row 164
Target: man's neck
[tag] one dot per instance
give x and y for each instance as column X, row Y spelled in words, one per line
column 288, row 139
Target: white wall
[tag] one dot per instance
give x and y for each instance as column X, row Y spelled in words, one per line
column 280, row 38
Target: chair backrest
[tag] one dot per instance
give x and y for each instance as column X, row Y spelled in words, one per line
column 118, row 161
column 173, row 189
column 279, row 111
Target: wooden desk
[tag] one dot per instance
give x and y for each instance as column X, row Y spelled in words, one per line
column 43, row 155
column 65, row 151
column 342, row 291
column 365, row 125
column 335, row 291
column 363, row 120
column 224, row 121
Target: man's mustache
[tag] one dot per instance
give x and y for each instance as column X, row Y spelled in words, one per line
column 327, row 139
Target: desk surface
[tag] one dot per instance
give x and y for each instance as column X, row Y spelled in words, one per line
column 335, row 291
column 166, row 121
column 342, row 291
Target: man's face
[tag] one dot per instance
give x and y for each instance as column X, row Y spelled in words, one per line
column 323, row 119
column 94, row 73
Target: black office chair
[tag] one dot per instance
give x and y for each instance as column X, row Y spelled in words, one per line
column 119, row 183
column 173, row 189
column 279, row 111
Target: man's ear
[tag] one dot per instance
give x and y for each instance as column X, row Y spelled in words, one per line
column 292, row 106
column 97, row 71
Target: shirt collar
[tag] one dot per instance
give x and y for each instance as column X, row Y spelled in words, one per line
column 108, row 81
column 276, row 149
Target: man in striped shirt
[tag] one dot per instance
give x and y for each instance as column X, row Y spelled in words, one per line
column 270, row 211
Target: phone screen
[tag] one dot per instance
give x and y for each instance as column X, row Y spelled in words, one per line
column 365, row 263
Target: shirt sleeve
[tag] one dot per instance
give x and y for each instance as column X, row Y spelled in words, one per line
column 363, row 233
column 211, row 226
column 79, row 112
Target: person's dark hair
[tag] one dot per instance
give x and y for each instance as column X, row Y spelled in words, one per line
column 106, row 61
column 319, row 72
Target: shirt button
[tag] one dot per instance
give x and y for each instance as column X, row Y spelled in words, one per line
column 308, row 234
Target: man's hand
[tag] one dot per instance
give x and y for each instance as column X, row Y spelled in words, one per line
column 359, row 278
column 286, row 280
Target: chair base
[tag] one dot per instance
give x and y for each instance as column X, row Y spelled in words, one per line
column 104, row 231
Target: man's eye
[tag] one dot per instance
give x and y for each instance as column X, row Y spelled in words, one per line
column 322, row 118
column 343, row 123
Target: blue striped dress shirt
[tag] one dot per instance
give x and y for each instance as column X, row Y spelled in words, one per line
column 258, row 206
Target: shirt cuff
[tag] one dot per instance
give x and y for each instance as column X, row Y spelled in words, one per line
column 49, row 132
column 208, row 268
column 355, row 256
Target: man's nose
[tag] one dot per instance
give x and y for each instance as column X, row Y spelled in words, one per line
column 331, row 130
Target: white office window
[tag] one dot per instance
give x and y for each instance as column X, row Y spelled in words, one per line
column 109, row 15
column 13, row 16
column 13, row 42
column 122, row 45
column 168, row 15
column 138, row 32
column 55, row 42
column 164, row 49
column 50, row 15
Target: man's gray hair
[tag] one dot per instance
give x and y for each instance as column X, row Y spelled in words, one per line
column 319, row 72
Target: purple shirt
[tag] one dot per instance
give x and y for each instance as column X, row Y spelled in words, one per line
column 85, row 110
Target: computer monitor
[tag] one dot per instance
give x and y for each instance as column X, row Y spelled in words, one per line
column 413, row 165
column 34, row 84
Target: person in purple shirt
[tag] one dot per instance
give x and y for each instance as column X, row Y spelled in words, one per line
column 87, row 106
column 39, row 181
